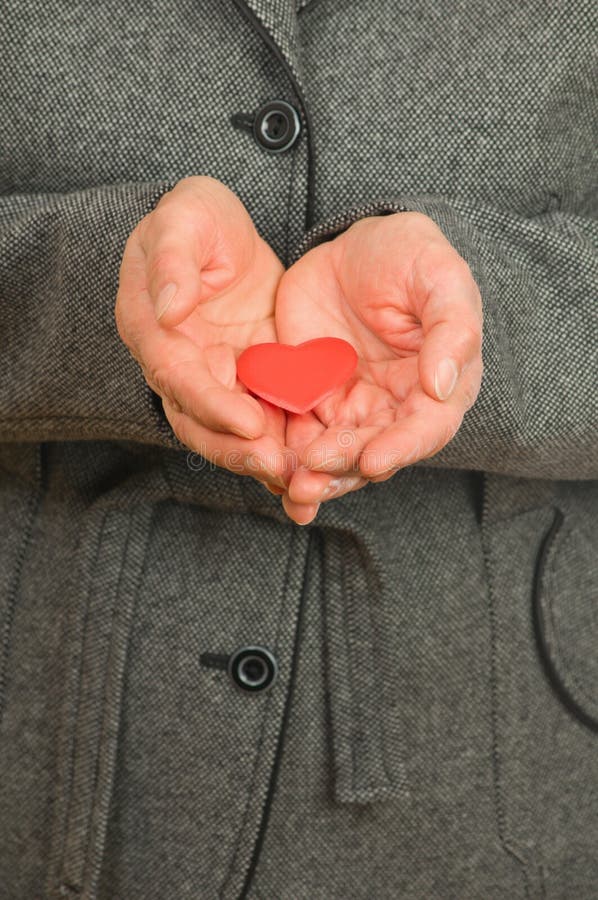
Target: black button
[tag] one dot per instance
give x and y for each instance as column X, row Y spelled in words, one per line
column 276, row 126
column 252, row 668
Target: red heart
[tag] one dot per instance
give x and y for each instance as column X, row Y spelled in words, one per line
column 297, row 378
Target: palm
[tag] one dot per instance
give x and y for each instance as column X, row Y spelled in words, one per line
column 228, row 320
column 387, row 338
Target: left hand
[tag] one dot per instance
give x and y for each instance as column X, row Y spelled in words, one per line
column 397, row 290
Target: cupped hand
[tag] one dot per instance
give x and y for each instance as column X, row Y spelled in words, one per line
column 397, row 290
column 197, row 286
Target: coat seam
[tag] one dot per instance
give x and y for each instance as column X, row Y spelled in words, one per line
column 509, row 848
column 289, row 204
column 376, row 671
column 13, row 593
column 69, row 774
column 104, row 702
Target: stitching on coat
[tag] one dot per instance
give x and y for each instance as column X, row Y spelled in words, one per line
column 521, row 512
column 282, row 55
column 376, row 669
column 102, row 694
column 250, row 789
column 289, row 204
column 13, row 591
column 70, row 766
column 368, row 790
column 348, row 598
column 496, row 767
column 106, row 796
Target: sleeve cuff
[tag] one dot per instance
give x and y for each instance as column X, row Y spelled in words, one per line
column 331, row 228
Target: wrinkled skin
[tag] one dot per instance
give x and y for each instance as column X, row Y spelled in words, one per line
column 396, row 289
column 392, row 286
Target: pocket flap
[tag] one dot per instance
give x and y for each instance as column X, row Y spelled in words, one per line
column 566, row 613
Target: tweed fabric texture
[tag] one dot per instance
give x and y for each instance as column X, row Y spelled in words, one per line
column 433, row 727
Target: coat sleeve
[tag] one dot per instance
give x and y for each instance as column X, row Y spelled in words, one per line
column 64, row 372
column 537, row 411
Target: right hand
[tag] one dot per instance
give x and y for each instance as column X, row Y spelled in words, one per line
column 197, row 286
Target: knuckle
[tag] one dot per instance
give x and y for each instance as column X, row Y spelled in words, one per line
column 190, row 182
column 165, row 201
column 123, row 326
column 416, row 219
column 199, row 193
column 159, row 220
column 470, row 338
column 197, row 182
column 161, row 261
column 157, row 379
column 143, row 229
column 148, row 377
column 161, row 383
column 180, row 425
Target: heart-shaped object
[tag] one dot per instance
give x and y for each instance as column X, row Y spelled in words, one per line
column 299, row 377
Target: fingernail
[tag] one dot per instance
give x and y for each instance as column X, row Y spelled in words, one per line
column 389, row 469
column 317, row 505
column 340, row 486
column 445, row 378
column 257, row 462
column 274, row 489
column 243, row 434
column 165, row 298
column 329, row 461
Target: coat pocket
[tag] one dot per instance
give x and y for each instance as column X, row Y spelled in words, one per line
column 565, row 612
column 543, row 582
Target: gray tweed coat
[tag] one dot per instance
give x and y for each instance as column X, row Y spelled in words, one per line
column 420, row 717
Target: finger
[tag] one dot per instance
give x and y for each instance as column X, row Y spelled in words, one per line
column 452, row 325
column 131, row 281
column 273, row 488
column 300, row 513
column 338, row 449
column 416, row 436
column 187, row 381
column 302, row 430
column 181, row 372
column 307, row 486
column 177, row 241
column 264, row 459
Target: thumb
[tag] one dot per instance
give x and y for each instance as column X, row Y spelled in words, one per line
column 174, row 274
column 197, row 241
column 452, row 324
